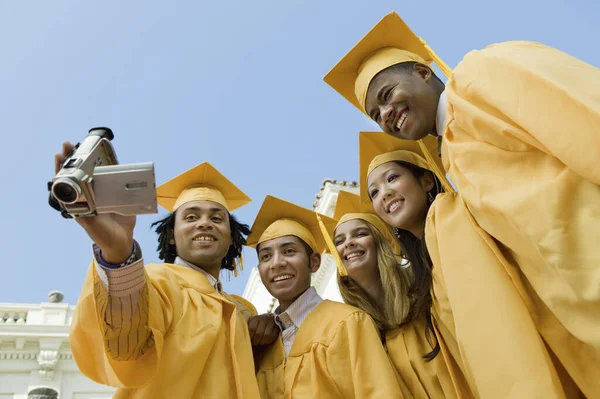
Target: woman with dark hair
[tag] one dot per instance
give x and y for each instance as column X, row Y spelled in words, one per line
column 484, row 330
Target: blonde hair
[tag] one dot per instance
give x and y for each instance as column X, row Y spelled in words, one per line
column 393, row 308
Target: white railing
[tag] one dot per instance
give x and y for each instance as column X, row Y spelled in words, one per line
column 13, row 313
column 55, row 314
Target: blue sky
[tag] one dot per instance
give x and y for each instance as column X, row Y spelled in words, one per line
column 235, row 83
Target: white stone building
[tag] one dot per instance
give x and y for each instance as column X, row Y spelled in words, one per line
column 324, row 280
column 35, row 357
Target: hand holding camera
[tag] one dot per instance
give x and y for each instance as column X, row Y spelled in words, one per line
column 112, row 232
column 101, row 195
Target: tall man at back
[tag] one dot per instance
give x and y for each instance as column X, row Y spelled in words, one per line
column 519, row 124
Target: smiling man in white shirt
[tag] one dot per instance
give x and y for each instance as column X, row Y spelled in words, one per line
column 321, row 342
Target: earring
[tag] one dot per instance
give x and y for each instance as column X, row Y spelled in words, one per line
column 429, row 197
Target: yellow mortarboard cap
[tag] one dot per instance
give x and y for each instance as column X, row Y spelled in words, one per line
column 346, row 202
column 388, row 43
column 278, row 218
column 348, row 207
column 201, row 183
column 377, row 148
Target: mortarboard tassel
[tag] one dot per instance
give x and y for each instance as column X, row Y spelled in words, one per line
column 238, row 264
column 336, row 257
column 438, row 173
column 446, row 70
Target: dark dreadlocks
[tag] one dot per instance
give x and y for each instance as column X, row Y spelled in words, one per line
column 167, row 252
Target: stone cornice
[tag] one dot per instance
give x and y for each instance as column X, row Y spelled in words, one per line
column 334, row 186
column 27, row 330
column 12, row 355
column 29, row 355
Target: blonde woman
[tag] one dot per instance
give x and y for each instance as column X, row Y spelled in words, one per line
column 374, row 277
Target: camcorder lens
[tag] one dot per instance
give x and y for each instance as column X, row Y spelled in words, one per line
column 65, row 192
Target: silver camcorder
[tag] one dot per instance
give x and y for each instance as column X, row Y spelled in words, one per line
column 91, row 181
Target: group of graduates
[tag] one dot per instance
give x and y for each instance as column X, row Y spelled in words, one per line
column 469, row 264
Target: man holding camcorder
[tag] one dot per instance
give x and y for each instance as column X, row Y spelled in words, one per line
column 168, row 330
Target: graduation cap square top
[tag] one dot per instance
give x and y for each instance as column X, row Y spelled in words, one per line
column 278, row 218
column 346, row 203
column 377, row 148
column 389, row 42
column 202, row 182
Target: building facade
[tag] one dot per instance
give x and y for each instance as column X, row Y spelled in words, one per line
column 325, row 279
column 35, row 357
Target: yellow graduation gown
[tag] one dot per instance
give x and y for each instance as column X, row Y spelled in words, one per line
column 522, row 145
column 186, row 341
column 337, row 353
column 419, row 378
column 487, row 332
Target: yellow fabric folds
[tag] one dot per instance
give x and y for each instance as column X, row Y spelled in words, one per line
column 527, row 168
column 196, row 340
column 406, row 347
column 489, row 335
column 337, row 353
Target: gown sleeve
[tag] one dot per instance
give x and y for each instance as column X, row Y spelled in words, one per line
column 501, row 351
column 117, row 340
column 542, row 97
column 357, row 353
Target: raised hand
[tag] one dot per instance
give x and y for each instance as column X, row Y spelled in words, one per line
column 113, row 233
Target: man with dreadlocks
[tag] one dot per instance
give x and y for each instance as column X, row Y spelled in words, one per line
column 168, row 330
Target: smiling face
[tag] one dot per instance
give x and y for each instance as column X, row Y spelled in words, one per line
column 357, row 248
column 400, row 198
column 403, row 100
column 285, row 268
column 202, row 234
